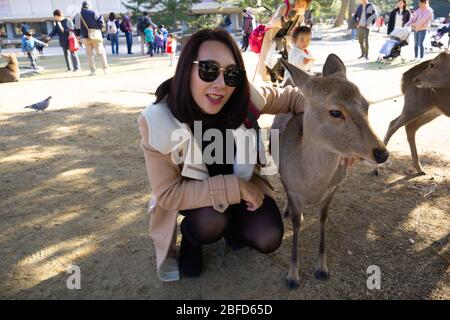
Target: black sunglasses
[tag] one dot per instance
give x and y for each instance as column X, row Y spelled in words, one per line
column 208, row 71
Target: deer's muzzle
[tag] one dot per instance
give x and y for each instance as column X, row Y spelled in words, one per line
column 381, row 155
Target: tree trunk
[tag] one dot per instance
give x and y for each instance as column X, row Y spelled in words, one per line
column 340, row 18
column 351, row 8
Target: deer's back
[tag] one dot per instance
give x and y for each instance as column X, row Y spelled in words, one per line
column 9, row 73
column 424, row 98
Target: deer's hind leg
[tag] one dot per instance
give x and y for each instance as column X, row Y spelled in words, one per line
column 286, row 210
column 411, row 111
column 411, row 129
column 296, row 212
column 321, row 268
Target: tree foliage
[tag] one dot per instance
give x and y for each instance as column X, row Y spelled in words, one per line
column 167, row 12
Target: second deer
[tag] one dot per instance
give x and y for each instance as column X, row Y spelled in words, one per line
column 427, row 96
column 313, row 144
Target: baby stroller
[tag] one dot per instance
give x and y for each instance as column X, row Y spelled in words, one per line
column 393, row 46
column 437, row 38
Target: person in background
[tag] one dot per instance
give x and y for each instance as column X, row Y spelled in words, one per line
column 149, row 39
column 247, row 28
column 171, row 48
column 159, row 40
column 143, row 22
column 420, row 22
column 353, row 27
column 62, row 27
column 365, row 15
column 127, row 28
column 399, row 16
column 92, row 20
column 290, row 14
column 29, row 48
column 300, row 56
column 227, row 23
column 24, row 28
column 165, row 34
column 112, row 28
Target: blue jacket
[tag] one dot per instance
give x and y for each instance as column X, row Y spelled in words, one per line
column 30, row 45
column 371, row 14
column 165, row 33
column 92, row 19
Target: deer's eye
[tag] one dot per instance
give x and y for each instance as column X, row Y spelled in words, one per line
column 431, row 65
column 336, row 114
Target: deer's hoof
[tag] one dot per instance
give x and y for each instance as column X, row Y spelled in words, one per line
column 292, row 284
column 321, row 275
column 421, row 173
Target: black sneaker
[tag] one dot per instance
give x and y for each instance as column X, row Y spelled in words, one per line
column 190, row 260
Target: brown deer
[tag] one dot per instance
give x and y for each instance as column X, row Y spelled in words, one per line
column 312, row 145
column 427, row 96
column 10, row 72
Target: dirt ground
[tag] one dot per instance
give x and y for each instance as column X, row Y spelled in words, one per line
column 74, row 190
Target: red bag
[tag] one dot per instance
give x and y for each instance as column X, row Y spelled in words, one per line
column 256, row 38
column 73, row 42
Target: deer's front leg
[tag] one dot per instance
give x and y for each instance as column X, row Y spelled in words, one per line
column 321, row 268
column 293, row 279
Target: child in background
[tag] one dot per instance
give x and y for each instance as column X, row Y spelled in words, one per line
column 149, row 39
column 300, row 56
column 159, row 42
column 171, row 48
column 29, row 46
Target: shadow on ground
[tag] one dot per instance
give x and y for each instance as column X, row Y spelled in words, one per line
column 74, row 191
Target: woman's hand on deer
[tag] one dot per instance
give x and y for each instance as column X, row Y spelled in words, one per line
column 250, row 193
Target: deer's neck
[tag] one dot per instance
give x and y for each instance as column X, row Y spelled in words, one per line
column 314, row 151
column 321, row 166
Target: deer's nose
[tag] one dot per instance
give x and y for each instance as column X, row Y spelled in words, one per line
column 381, row 155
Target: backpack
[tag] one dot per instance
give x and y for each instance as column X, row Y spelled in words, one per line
column 123, row 28
column 111, row 27
column 256, row 38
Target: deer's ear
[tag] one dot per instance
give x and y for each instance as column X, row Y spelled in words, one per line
column 334, row 65
column 300, row 78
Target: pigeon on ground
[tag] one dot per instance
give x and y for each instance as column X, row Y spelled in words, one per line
column 40, row 106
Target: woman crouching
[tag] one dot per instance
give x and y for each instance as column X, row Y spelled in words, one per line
column 218, row 194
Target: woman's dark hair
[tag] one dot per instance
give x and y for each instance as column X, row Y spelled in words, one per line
column 404, row 3
column 112, row 16
column 178, row 88
column 423, row 1
column 57, row 13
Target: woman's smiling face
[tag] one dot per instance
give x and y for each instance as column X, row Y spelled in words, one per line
column 212, row 96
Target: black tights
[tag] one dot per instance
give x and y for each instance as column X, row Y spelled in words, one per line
column 261, row 229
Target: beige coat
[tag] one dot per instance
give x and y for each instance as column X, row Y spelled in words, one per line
column 186, row 186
